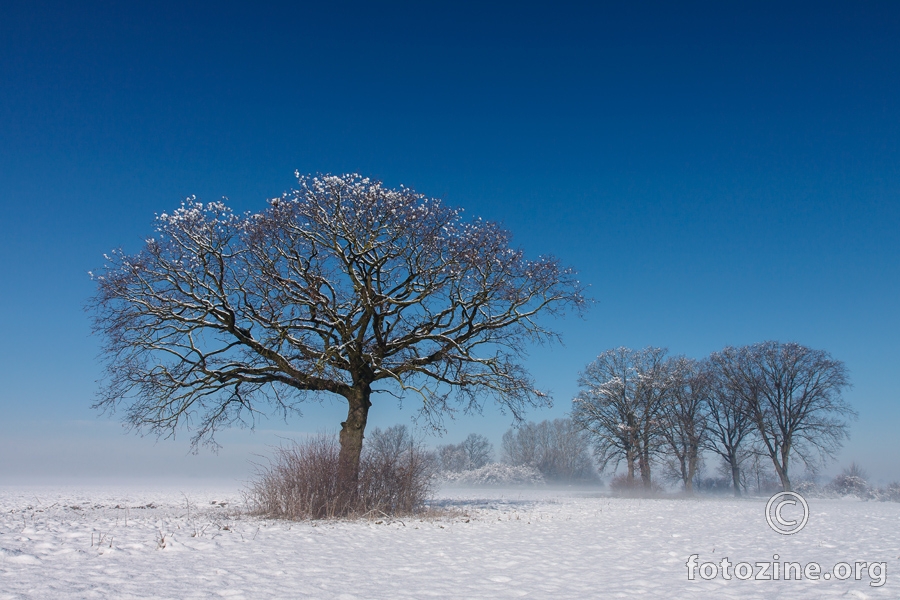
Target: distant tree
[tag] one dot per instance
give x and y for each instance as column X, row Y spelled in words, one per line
column 342, row 287
column 757, row 472
column 567, row 455
column 793, row 396
column 855, row 470
column 452, row 457
column 390, row 442
column 730, row 427
column 472, row 453
column 523, row 445
column 479, row 451
column 559, row 449
column 684, row 415
column 620, row 405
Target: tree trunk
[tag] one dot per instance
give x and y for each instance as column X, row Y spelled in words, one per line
column 735, row 475
column 781, row 466
column 688, row 469
column 782, row 469
column 645, row 468
column 785, row 481
column 629, row 458
column 351, row 438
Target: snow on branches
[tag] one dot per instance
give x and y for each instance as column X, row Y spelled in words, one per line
column 341, row 286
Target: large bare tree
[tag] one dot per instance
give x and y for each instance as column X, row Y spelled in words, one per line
column 620, row 404
column 344, row 287
column 730, row 426
column 684, row 415
column 792, row 394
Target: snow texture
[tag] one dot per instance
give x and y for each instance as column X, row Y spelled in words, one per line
column 528, row 542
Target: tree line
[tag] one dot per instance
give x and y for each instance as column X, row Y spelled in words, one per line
column 559, row 450
column 782, row 401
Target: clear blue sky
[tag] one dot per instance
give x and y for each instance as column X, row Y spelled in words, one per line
column 719, row 173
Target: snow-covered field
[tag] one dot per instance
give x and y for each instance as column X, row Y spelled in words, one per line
column 531, row 543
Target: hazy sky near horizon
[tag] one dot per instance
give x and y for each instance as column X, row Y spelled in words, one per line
column 719, row 174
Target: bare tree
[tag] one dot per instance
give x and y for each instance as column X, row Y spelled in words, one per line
column 569, row 456
column 559, row 449
column 757, row 471
column 620, row 405
column 729, row 424
column 684, row 416
column 793, row 396
column 342, row 287
column 472, row 453
column 522, row 445
column 479, row 450
column 390, row 442
column 453, row 457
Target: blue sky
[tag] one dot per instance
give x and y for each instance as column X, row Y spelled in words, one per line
column 718, row 175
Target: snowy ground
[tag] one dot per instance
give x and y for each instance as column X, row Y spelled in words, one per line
column 96, row 543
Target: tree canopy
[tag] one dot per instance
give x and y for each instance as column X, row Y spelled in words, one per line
column 338, row 286
column 793, row 396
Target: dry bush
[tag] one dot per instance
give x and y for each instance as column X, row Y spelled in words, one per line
column 301, row 481
column 396, row 474
column 620, row 485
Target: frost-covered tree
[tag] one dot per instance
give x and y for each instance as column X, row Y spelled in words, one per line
column 342, row 287
column 730, row 428
column 792, row 395
column 623, row 392
column 683, row 416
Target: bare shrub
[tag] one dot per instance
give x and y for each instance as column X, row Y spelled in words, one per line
column 396, row 473
column 302, row 480
column 623, row 485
